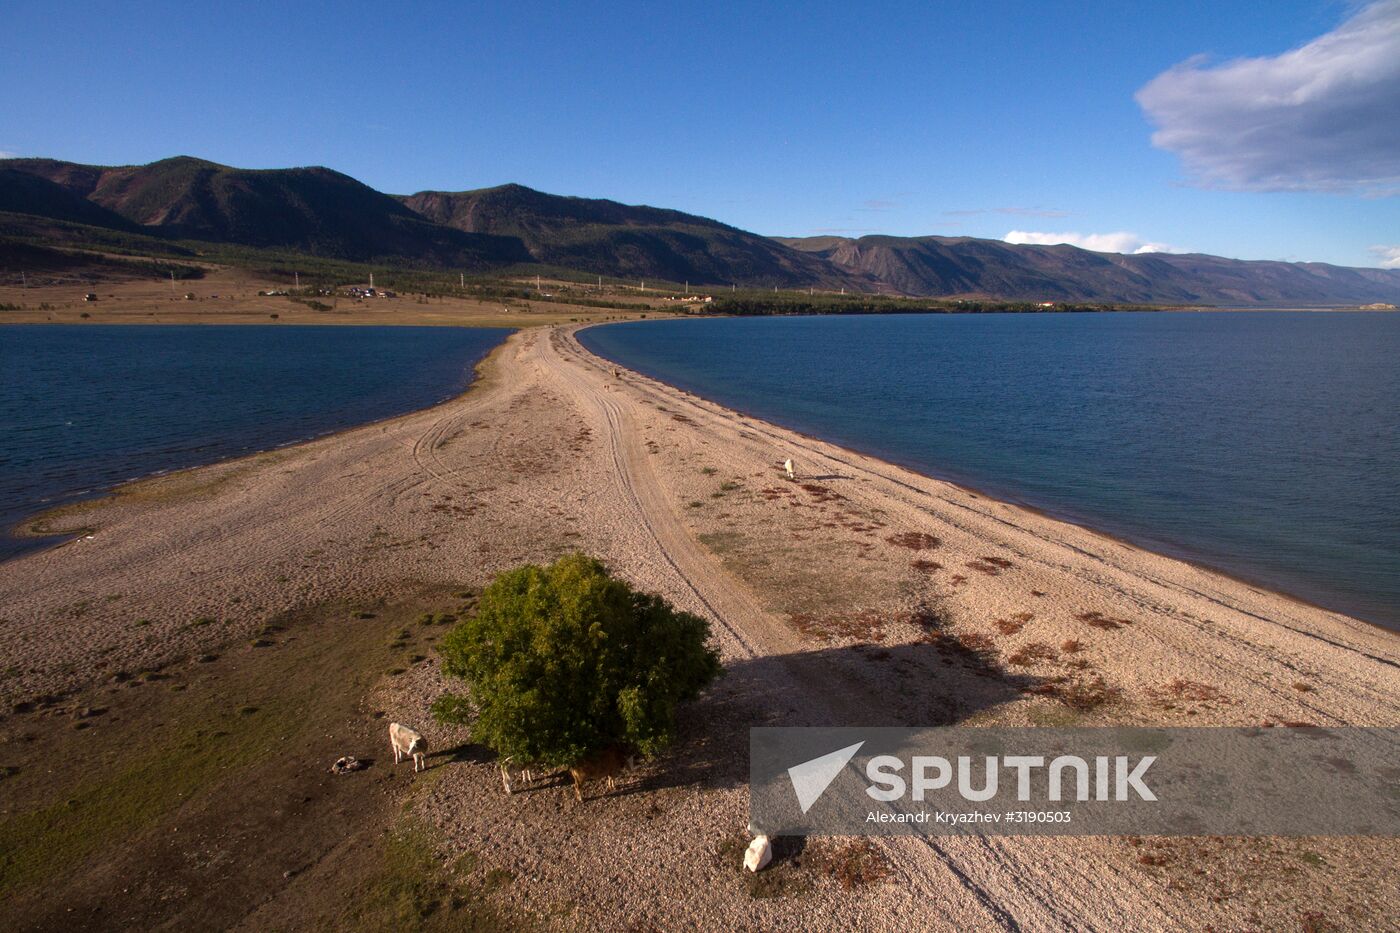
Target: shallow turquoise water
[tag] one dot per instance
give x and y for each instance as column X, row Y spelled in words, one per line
column 1266, row 444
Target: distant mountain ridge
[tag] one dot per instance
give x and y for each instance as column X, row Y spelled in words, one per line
column 311, row 210
column 29, row 193
column 936, row 265
column 623, row 241
column 324, row 213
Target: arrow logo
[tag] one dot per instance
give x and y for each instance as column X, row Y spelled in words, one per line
column 811, row 778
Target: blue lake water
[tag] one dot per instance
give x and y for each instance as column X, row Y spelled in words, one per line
column 85, row 407
column 1265, row 444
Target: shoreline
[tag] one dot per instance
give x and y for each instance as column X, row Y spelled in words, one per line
column 24, row 528
column 1170, row 550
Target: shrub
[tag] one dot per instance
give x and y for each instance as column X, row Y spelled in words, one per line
column 564, row 661
column 452, row 709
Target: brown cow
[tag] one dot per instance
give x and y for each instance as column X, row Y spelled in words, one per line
column 604, row 765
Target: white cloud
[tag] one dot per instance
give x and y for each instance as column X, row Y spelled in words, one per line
column 1388, row 256
column 6, row 154
column 1120, row 242
column 1322, row 117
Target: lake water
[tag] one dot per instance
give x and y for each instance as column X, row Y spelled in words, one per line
column 1264, row 444
column 85, row 407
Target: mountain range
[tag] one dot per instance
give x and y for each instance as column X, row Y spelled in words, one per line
column 324, row 213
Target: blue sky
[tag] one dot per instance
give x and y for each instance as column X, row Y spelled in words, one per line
column 955, row 118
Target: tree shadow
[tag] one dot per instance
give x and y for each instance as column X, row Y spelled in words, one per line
column 940, row 682
column 465, row 753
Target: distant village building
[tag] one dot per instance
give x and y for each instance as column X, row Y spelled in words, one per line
column 1378, row 306
column 371, row 292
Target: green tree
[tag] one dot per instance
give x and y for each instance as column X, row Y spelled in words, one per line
column 564, row 661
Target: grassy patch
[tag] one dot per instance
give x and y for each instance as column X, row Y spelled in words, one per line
column 855, row 864
column 123, row 800
column 171, row 748
column 865, row 625
column 410, row 889
column 782, row 878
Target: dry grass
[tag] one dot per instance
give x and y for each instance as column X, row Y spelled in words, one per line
column 1099, row 620
column 822, row 493
column 1033, row 653
column 1081, row 695
column 914, row 540
column 991, row 566
column 227, row 295
column 1186, row 691
column 1014, row 624
column 973, row 650
column 863, row 626
column 855, row 864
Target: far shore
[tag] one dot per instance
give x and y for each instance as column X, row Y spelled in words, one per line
column 863, row 593
column 228, row 295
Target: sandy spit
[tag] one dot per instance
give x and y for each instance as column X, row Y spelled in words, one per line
column 821, row 593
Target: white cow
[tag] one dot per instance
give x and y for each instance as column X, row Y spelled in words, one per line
column 508, row 778
column 410, row 744
column 787, row 465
